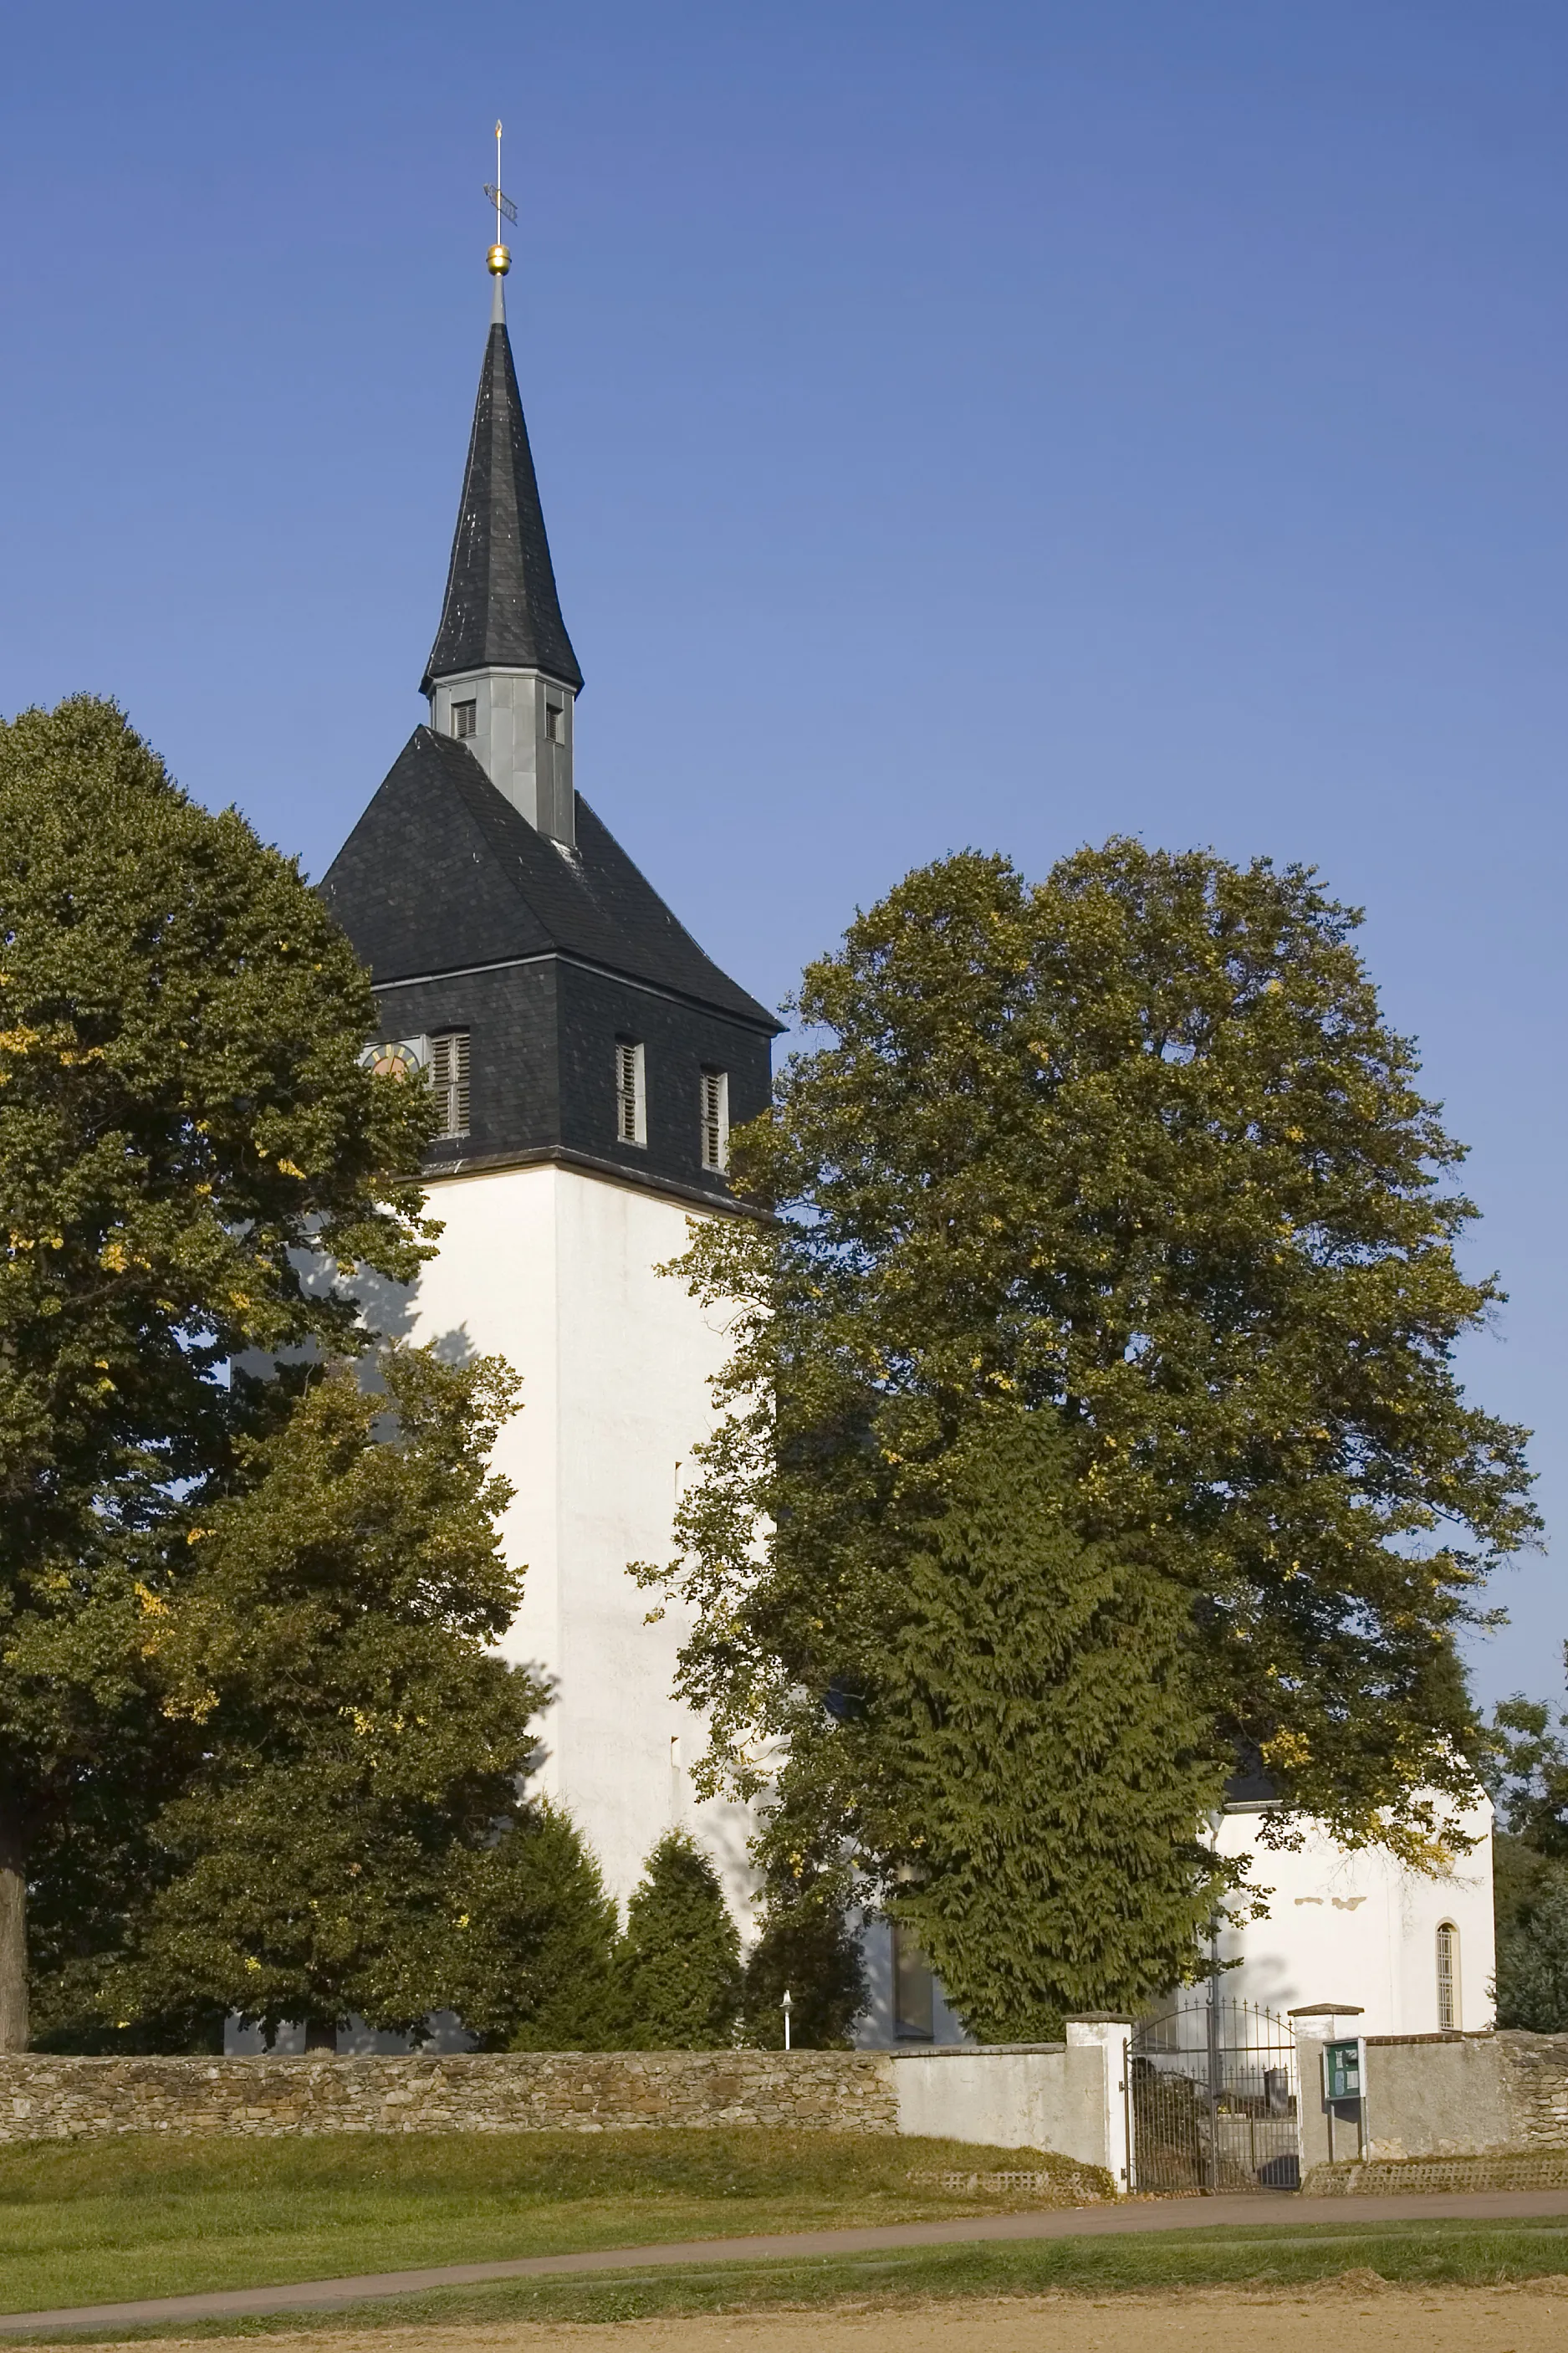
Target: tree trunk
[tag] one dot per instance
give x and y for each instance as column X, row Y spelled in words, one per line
column 321, row 2034
column 12, row 1933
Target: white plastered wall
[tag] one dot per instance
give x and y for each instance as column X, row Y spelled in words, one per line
column 555, row 1270
column 877, row 2027
column 1353, row 1928
column 1359, row 1927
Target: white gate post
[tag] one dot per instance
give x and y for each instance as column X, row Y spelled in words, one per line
column 1110, row 2036
column 1316, row 2024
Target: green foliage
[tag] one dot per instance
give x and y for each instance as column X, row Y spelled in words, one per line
column 183, row 1125
column 679, row 1960
column 1030, row 1761
column 1529, row 1780
column 1527, row 1773
column 1532, row 1952
column 1133, row 1149
column 808, row 1946
column 325, row 1633
column 559, row 1942
column 182, row 1111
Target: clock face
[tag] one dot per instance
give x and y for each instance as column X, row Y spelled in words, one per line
column 393, row 1061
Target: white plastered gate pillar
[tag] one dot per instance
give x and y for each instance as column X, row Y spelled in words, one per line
column 1112, row 2038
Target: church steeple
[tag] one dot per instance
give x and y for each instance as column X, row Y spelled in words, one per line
column 571, row 1017
column 501, row 674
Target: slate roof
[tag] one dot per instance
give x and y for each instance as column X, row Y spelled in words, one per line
column 442, row 874
column 501, row 609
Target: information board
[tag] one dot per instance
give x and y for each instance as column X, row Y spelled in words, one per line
column 1342, row 2071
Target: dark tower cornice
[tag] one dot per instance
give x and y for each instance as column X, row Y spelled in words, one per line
column 501, row 611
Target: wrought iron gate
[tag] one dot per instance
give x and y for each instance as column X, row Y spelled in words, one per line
column 1214, row 2100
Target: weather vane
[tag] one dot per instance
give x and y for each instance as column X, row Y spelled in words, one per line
column 500, row 259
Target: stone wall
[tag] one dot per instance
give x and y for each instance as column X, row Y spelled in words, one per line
column 1535, row 2072
column 44, row 2098
column 1443, row 2097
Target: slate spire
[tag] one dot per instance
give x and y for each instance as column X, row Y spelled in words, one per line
column 501, row 610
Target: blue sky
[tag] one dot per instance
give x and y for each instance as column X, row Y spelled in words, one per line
column 991, row 424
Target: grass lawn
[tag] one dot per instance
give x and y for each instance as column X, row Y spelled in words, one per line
column 101, row 2222
column 1415, row 2255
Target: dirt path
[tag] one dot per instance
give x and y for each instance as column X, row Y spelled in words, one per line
column 1351, row 2315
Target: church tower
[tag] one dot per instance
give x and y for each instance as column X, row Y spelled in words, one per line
column 588, row 1060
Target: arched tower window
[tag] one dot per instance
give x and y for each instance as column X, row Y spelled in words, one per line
column 1447, row 1976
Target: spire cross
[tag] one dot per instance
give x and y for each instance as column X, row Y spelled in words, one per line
column 500, row 259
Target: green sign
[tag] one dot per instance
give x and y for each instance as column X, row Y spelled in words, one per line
column 1342, row 2071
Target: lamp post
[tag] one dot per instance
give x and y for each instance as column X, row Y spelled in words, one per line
column 787, row 2006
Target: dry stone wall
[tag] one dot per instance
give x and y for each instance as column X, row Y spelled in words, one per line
column 1535, row 2082
column 45, row 2098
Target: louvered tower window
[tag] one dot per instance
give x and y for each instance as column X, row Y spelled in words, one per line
column 1447, row 1976
column 631, row 1101
column 449, row 1081
column 716, row 1119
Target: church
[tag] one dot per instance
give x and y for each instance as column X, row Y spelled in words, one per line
column 588, row 1058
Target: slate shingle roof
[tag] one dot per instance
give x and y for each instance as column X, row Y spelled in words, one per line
column 501, row 608
column 441, row 874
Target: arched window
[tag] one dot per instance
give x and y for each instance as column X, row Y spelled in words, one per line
column 1447, row 1976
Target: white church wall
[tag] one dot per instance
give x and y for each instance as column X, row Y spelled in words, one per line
column 555, row 1270
column 1360, row 1927
column 878, row 2027
column 635, row 1357
column 1353, row 1928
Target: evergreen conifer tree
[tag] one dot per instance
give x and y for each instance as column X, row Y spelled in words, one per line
column 806, row 1948
column 1532, row 1959
column 546, row 1907
column 1030, row 1755
column 680, row 1961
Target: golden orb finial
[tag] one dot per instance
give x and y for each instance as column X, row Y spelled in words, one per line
column 500, row 257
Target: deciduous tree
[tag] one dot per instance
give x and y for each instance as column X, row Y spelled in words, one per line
column 344, row 1841
column 185, row 1128
column 1528, row 1773
column 1135, row 1151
